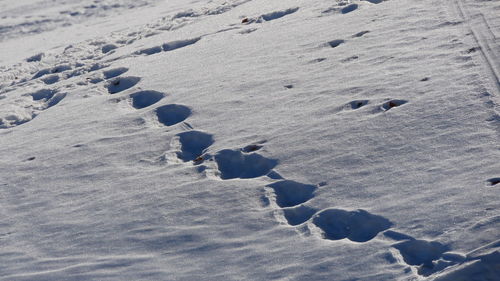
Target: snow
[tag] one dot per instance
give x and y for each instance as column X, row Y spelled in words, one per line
column 249, row 140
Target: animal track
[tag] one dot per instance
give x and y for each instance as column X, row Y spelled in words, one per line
column 172, row 114
column 144, row 99
column 336, row 43
column 234, row 164
column 298, row 215
column 193, row 144
column 357, row 226
column 111, row 73
column 393, row 103
column 121, row 83
column 291, row 193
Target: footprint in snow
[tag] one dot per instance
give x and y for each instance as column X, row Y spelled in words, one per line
column 121, row 83
column 144, row 99
column 192, row 145
column 172, row 114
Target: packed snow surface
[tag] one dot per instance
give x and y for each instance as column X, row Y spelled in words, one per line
column 250, row 140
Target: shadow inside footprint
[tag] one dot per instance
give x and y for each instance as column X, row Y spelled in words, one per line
column 336, row 43
column 299, row 214
column 193, row 144
column 357, row 226
column 291, row 193
column 122, row 83
column 349, row 8
column 494, row 181
column 172, row 114
column 45, row 94
column 234, row 164
column 420, row 252
column 356, row 104
column 393, row 103
column 144, row 99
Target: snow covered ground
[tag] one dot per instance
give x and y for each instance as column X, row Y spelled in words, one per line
column 250, row 140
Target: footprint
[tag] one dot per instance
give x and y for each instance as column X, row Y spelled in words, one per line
column 291, row 193
column 494, row 181
column 193, row 144
column 357, row 226
column 375, row 1
column 108, row 48
column 167, row 47
column 349, row 8
column 336, row 43
column 172, row 114
column 356, row 104
column 251, row 148
column 421, row 252
column 277, row 14
column 149, row 51
column 43, row 94
column 121, row 83
column 235, row 164
column 361, row 33
column 50, row 79
column 34, row 58
column 111, row 73
column 298, row 215
column 144, row 99
column 393, row 103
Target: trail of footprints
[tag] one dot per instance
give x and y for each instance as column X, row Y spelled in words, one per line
column 288, row 198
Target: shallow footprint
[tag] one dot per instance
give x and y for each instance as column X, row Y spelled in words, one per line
column 172, row 114
column 291, row 193
column 357, row 226
column 144, row 99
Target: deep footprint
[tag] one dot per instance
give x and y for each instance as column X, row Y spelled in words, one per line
column 356, row 104
column 357, row 226
column 193, row 144
column 336, row 43
column 393, row 103
column 421, row 252
column 172, row 114
column 144, row 99
column 234, row 164
column 121, row 84
column 349, row 8
column 291, row 193
column 494, row 181
column 298, row 215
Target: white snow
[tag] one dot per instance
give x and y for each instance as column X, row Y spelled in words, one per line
column 249, row 140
